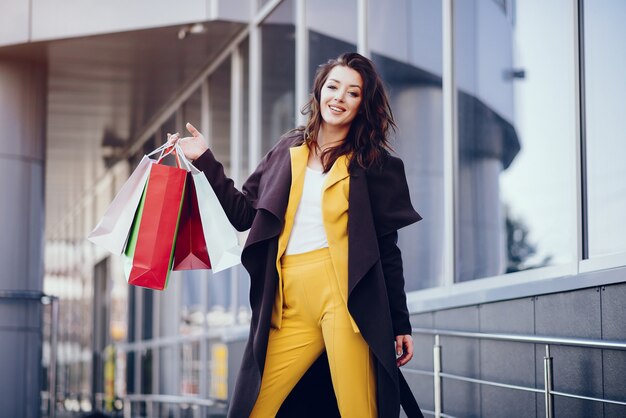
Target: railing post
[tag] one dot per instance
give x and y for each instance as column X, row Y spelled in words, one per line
column 52, row 366
column 547, row 377
column 437, row 376
column 128, row 408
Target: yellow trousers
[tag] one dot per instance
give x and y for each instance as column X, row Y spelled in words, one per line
column 315, row 319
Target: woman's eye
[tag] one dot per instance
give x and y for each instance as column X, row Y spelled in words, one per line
column 353, row 94
column 332, row 87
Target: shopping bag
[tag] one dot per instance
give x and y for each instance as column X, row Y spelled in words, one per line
column 220, row 236
column 111, row 232
column 150, row 248
column 190, row 252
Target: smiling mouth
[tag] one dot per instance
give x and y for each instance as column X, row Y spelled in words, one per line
column 336, row 109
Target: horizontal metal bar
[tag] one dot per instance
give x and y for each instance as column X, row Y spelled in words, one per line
column 171, row 399
column 416, row 371
column 587, row 398
column 26, row 296
column 224, row 334
column 532, row 339
column 429, row 412
column 490, row 383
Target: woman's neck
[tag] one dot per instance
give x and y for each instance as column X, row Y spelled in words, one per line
column 329, row 136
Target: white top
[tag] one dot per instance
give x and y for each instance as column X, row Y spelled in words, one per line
column 308, row 232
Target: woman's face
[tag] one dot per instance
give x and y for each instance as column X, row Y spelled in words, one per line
column 340, row 96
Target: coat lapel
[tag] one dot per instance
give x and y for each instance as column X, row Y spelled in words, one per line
column 363, row 251
column 338, row 172
column 272, row 203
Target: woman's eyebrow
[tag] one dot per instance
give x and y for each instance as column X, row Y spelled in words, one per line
column 339, row 82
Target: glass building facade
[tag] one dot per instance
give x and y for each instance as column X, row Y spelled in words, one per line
column 509, row 126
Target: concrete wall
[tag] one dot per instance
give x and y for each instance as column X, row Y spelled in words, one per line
column 597, row 313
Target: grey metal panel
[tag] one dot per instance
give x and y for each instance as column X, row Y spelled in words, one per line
column 571, row 408
column 499, row 402
column 13, row 22
column 12, row 377
column 614, row 312
column 614, row 379
column 614, row 362
column 510, row 363
column 576, row 370
column 423, row 344
column 461, row 319
column 461, row 399
column 515, row 316
column 73, row 18
column 460, row 356
column 505, row 362
column 571, row 314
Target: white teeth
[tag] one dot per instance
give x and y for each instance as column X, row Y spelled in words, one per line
column 336, row 109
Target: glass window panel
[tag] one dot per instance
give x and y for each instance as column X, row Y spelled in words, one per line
column 245, row 143
column 192, row 109
column 277, row 75
column 219, row 113
column 406, row 45
column 332, row 30
column 605, row 89
column 514, row 67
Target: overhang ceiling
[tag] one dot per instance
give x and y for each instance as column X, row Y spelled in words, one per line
column 109, row 85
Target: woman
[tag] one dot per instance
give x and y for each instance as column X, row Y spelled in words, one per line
column 323, row 208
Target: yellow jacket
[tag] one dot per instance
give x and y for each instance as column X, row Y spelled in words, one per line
column 335, row 193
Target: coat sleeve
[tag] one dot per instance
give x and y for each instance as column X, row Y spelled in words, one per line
column 239, row 206
column 392, row 210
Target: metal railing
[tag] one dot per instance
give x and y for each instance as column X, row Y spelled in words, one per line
column 548, row 390
column 201, row 403
column 53, row 301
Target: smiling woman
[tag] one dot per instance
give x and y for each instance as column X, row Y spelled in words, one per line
column 340, row 97
column 328, row 301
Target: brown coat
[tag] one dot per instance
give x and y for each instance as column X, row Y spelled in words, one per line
column 379, row 205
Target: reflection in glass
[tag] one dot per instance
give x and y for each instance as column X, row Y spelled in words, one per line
column 277, row 75
column 605, row 90
column 516, row 128
column 406, row 44
column 331, row 32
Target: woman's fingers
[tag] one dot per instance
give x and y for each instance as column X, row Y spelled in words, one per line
column 406, row 349
column 192, row 130
column 172, row 139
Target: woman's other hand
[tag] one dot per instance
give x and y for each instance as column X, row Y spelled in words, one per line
column 193, row 146
column 404, row 349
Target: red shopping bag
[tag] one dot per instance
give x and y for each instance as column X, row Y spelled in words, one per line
column 151, row 246
column 191, row 252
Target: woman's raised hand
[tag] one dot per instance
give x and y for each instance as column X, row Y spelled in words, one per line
column 193, row 146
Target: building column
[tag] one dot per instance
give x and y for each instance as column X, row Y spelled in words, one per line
column 22, row 151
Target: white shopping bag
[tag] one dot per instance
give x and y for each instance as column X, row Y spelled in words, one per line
column 112, row 231
column 220, row 236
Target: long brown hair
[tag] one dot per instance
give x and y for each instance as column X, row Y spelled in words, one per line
column 368, row 137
